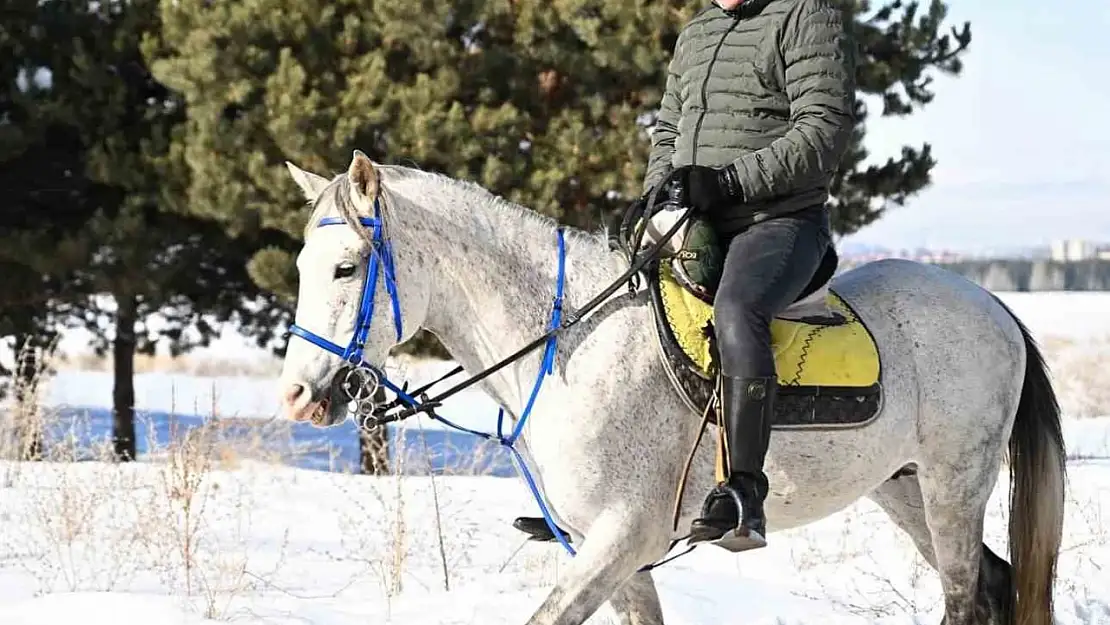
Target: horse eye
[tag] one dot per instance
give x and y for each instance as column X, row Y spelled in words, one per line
column 345, row 270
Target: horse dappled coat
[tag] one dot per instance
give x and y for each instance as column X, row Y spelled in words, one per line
column 962, row 386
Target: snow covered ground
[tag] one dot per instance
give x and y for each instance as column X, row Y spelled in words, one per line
column 189, row 538
column 94, row 543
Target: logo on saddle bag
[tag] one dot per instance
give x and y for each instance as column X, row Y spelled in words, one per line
column 698, row 262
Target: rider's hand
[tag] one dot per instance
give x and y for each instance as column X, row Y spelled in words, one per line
column 702, row 188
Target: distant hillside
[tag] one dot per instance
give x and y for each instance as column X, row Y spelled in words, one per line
column 1029, row 275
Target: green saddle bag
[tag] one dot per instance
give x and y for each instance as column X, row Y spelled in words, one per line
column 699, row 260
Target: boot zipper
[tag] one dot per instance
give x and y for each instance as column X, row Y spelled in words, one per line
column 705, row 90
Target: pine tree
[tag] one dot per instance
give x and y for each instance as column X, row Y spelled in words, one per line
column 40, row 196
column 545, row 103
column 152, row 256
column 902, row 48
column 114, row 223
column 536, row 100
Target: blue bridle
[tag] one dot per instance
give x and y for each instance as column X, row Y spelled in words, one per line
column 381, row 258
column 381, row 263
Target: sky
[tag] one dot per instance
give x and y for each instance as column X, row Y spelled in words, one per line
column 1021, row 137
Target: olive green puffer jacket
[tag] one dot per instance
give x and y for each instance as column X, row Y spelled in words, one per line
column 768, row 86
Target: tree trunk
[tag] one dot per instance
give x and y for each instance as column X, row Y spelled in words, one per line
column 123, row 391
column 373, row 447
column 29, row 360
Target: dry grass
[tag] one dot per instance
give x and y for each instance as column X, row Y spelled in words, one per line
column 870, row 567
column 1081, row 374
column 181, row 518
column 415, row 520
column 22, row 422
column 79, row 521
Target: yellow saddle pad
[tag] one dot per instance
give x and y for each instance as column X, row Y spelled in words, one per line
column 806, row 354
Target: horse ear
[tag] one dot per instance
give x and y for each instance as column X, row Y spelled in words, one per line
column 311, row 184
column 363, row 176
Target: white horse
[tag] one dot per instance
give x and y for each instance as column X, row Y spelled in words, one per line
column 608, row 436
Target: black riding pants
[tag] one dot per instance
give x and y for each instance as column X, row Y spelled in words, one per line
column 766, row 267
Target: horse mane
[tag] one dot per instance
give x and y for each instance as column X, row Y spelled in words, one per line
column 505, row 213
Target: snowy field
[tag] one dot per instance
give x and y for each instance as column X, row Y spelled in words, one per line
column 92, row 544
column 201, row 531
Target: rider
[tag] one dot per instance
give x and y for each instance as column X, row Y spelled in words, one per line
column 757, row 111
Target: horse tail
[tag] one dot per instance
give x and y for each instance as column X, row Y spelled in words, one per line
column 1038, row 476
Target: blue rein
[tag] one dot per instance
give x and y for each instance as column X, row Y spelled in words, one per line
column 381, row 256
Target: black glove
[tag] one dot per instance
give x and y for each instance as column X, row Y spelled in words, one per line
column 702, row 188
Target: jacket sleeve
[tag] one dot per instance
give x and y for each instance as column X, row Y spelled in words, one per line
column 819, row 68
column 666, row 129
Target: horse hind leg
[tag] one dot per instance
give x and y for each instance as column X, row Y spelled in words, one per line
column 637, row 602
column 996, row 587
column 901, row 499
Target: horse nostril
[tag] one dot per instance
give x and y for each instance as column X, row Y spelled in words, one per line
column 293, row 393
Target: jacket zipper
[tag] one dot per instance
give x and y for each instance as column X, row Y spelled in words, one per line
column 705, row 90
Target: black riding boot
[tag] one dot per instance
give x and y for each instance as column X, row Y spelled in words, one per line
column 747, row 406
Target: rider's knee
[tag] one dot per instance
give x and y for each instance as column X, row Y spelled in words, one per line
column 738, row 321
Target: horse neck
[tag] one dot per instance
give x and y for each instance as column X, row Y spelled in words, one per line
column 495, row 272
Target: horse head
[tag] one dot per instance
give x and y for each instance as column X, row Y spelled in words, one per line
column 350, row 311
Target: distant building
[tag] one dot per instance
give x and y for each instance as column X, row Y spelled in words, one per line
column 1071, row 250
column 1061, row 251
column 920, row 255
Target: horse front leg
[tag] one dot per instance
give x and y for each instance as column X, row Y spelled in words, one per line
column 615, row 547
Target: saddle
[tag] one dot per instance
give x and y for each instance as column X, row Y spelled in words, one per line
column 826, row 359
